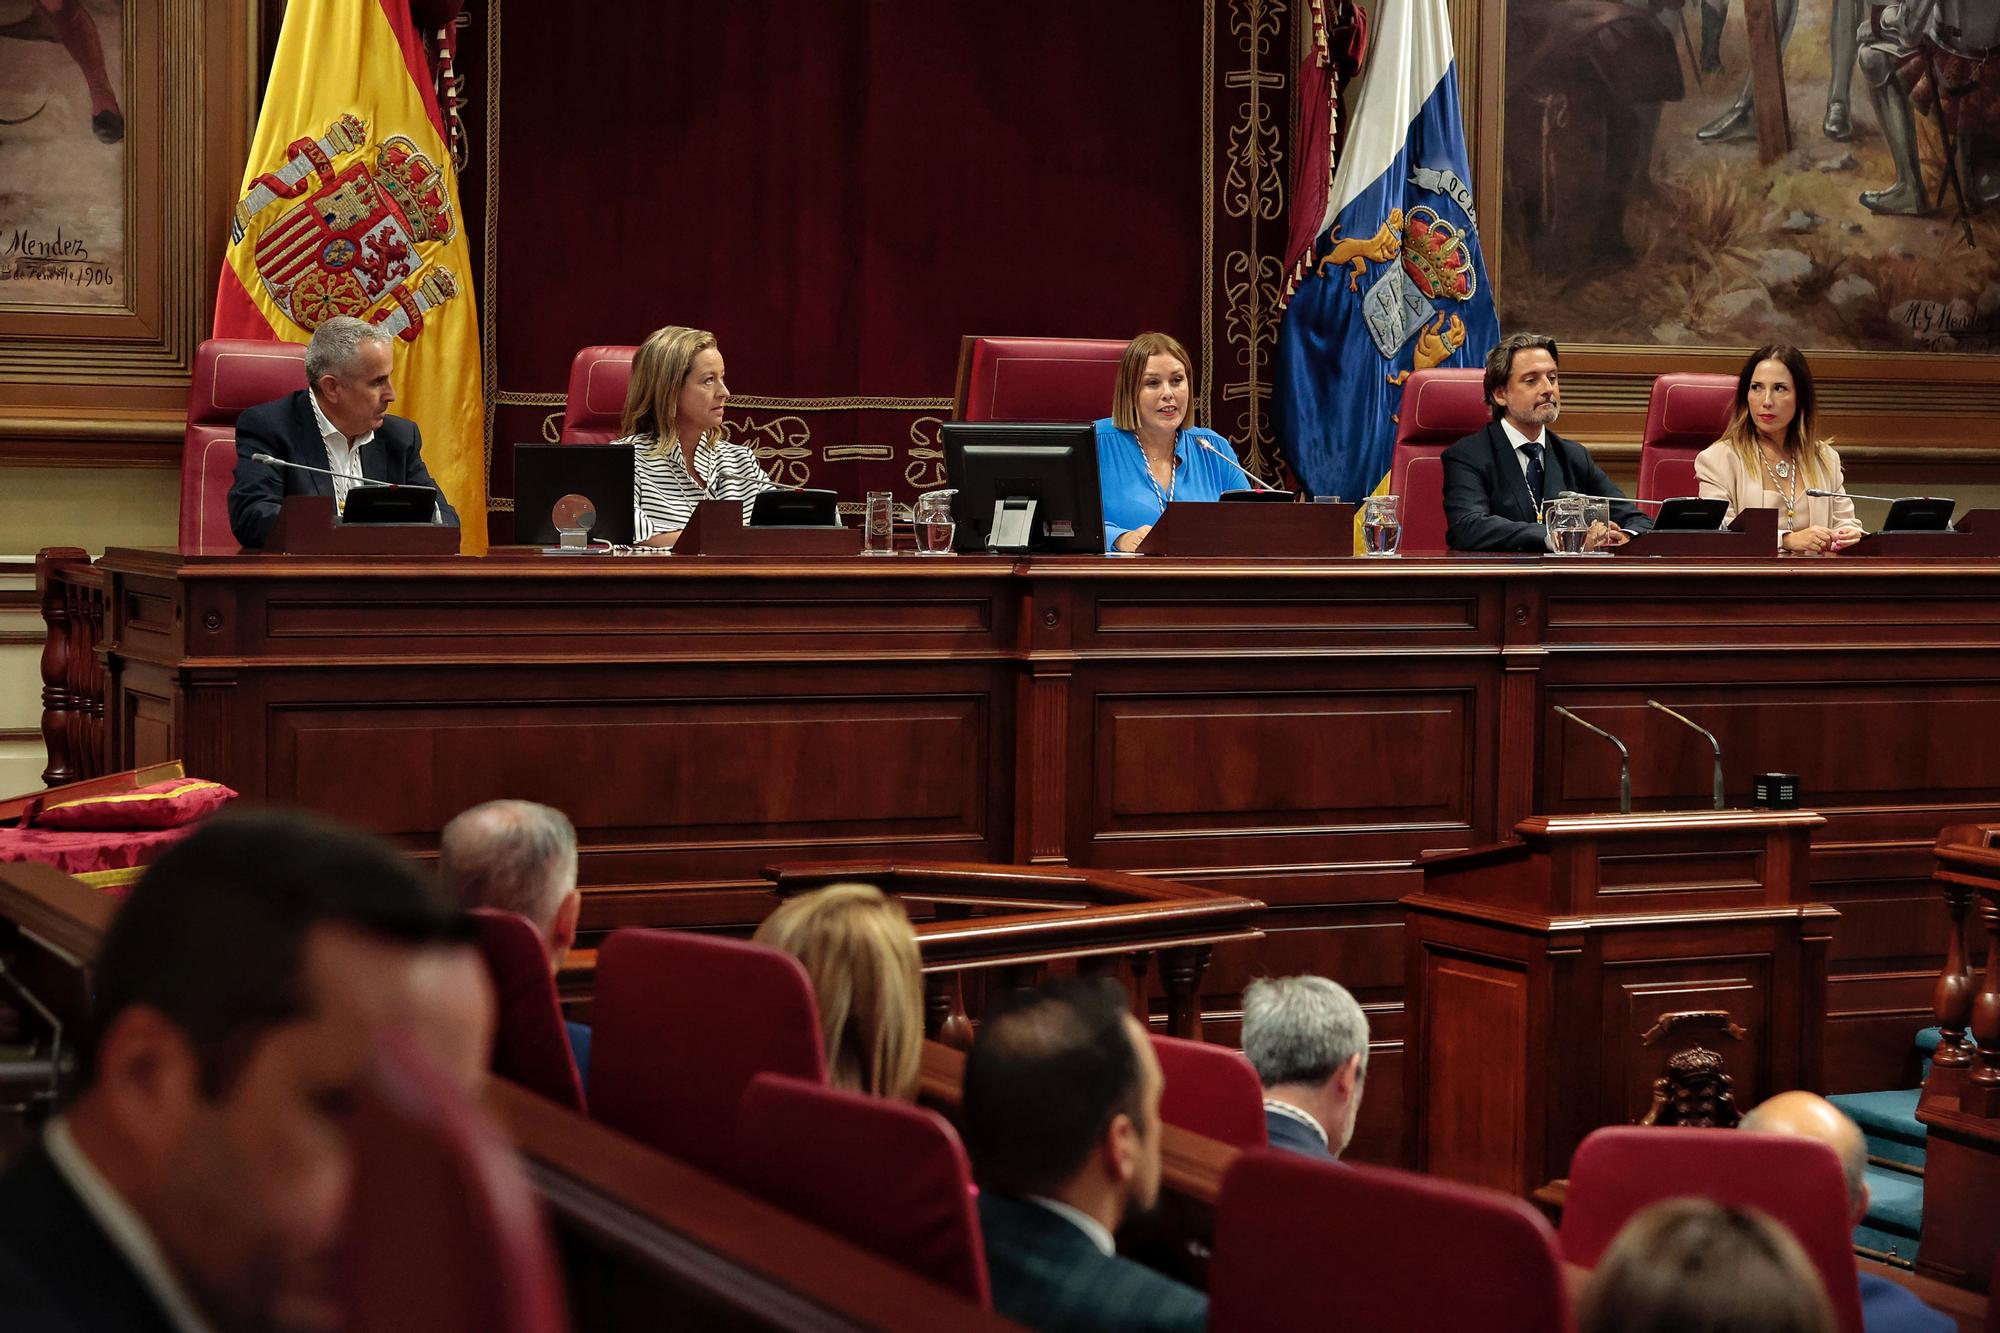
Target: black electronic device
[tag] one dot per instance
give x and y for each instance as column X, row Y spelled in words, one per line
column 547, row 473
column 789, row 508
column 1920, row 513
column 389, row 504
column 1689, row 514
column 1024, row 487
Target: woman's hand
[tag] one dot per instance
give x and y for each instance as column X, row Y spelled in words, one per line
column 1814, row 540
column 1129, row 541
column 1846, row 537
column 662, row 538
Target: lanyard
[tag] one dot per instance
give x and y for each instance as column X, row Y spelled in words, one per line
column 1166, row 497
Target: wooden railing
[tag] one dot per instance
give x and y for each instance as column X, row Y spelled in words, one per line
column 1002, row 926
column 72, row 593
column 1961, row 1098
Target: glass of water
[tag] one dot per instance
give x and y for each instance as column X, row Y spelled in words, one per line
column 1568, row 522
column 1597, row 515
column 1381, row 525
column 878, row 531
column 935, row 528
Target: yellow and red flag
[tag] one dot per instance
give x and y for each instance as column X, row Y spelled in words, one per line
column 350, row 207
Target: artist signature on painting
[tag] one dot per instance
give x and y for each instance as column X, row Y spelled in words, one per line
column 58, row 259
column 1948, row 325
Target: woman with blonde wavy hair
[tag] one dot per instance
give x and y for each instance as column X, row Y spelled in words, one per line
column 673, row 414
column 1772, row 454
column 858, row 948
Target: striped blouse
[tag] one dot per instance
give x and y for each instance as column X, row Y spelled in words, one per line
column 664, row 495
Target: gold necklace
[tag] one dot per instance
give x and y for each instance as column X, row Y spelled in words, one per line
column 1785, row 480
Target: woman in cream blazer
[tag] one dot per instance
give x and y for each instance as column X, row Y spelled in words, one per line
column 1771, row 456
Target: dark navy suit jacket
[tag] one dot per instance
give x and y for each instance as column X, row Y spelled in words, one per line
column 285, row 429
column 1048, row 1275
column 59, row 1271
column 1287, row 1133
column 1486, row 502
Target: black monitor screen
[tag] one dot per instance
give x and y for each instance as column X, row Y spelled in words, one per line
column 545, row 473
column 1013, row 465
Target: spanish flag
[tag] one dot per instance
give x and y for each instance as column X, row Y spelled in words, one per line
column 350, row 207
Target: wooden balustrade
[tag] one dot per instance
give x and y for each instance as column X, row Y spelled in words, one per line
column 1010, row 922
column 72, row 596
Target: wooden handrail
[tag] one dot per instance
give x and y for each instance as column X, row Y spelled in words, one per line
column 72, row 596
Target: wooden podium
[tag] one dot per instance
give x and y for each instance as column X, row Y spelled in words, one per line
column 1231, row 528
column 307, row 526
column 717, row 528
column 1751, row 535
column 1587, row 973
column 1976, row 534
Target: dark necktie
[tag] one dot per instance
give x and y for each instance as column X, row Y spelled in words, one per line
column 1534, row 452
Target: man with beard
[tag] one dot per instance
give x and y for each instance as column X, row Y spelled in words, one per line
column 1062, row 1118
column 198, row 1181
column 1496, row 481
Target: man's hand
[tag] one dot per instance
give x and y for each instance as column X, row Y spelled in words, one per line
column 1602, row 535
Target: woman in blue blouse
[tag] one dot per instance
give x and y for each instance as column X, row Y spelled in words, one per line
column 1147, row 454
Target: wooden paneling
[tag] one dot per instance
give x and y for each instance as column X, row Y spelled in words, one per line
column 1638, row 991
column 1478, row 1013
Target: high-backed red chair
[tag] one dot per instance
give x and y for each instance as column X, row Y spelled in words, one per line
column 595, row 406
column 1686, row 413
column 530, row 1045
column 1621, row 1169
column 680, row 1025
column 1212, row 1091
column 886, row 1175
column 1301, row 1243
column 442, row 1231
column 230, row 374
column 1439, row 408
column 1036, row 379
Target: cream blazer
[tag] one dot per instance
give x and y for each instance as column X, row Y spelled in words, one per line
column 1722, row 476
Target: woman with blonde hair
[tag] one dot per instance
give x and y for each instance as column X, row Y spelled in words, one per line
column 1147, row 453
column 673, row 414
column 858, row 948
column 1772, row 455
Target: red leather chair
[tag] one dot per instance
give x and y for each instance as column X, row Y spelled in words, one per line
column 595, row 408
column 888, row 1176
column 1621, row 1169
column 230, row 374
column 442, row 1231
column 530, row 1045
column 1212, row 1091
column 1036, row 379
column 681, row 1024
column 1312, row 1244
column 1440, row 408
column 1686, row 413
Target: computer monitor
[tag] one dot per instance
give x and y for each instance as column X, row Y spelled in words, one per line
column 1023, row 487
column 545, row 473
column 1689, row 513
column 390, row 504
column 802, row 508
column 1914, row 513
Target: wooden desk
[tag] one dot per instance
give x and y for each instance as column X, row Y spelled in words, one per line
column 1294, row 732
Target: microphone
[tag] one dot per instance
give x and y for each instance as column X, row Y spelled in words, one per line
column 1817, row 493
column 1624, row 760
column 324, row 472
column 1617, row 499
column 1256, row 482
column 1655, row 703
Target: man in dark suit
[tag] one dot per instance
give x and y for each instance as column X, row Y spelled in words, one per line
column 1308, row 1040
column 197, row 1180
column 1062, row 1118
column 1495, row 481
column 340, row 424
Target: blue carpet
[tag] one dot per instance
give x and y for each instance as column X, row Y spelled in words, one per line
column 1889, row 1119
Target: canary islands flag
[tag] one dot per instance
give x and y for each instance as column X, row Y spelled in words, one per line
column 1392, row 280
column 350, row 207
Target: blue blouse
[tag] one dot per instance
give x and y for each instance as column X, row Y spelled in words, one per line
column 1132, row 499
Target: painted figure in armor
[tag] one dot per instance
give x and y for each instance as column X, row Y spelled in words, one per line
column 1925, row 44
column 1843, row 37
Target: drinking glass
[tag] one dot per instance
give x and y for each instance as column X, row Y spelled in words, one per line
column 935, row 527
column 1594, row 513
column 1381, row 525
column 878, row 531
column 1568, row 523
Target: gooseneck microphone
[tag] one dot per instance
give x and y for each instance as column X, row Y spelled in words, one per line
column 1617, row 499
column 1624, row 759
column 324, row 472
column 1817, row 493
column 1256, row 482
column 1655, row 703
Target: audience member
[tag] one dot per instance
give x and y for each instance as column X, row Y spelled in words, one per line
column 521, row 858
column 197, row 1180
column 1308, row 1040
column 1062, row 1117
column 1694, row 1266
column 858, row 948
column 1886, row 1306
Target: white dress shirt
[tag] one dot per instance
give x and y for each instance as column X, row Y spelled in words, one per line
column 122, row 1225
column 1521, row 443
column 1099, row 1234
column 342, row 455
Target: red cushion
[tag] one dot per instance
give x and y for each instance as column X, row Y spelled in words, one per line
column 160, row 805
column 886, row 1175
column 1037, row 379
column 530, row 1045
column 595, row 407
column 1619, row 1170
column 1441, row 407
column 1306, row 1243
column 230, row 374
column 87, row 852
column 1212, row 1091
column 1685, row 414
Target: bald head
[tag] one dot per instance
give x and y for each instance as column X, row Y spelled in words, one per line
column 1811, row 1116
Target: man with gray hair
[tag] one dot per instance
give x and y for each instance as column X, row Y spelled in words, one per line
column 1308, row 1040
column 519, row 857
column 329, row 436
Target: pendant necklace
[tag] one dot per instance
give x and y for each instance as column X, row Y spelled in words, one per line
column 1173, row 477
column 1781, row 474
